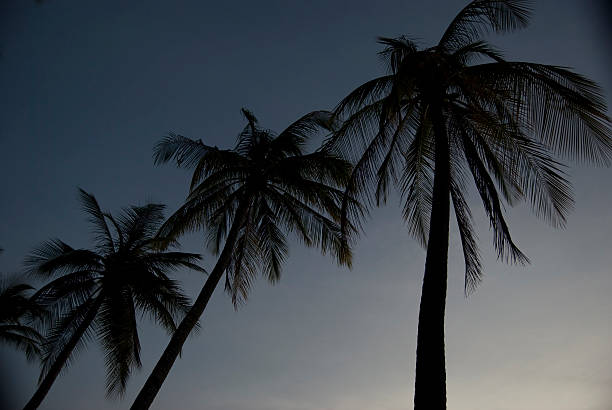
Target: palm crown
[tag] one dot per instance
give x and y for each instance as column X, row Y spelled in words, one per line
column 98, row 293
column 500, row 122
column 265, row 185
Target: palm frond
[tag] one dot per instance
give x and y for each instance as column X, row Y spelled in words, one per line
column 140, row 223
column 477, row 50
column 396, row 52
column 243, row 268
column 90, row 205
column 68, row 290
column 227, row 175
column 290, row 142
column 360, row 99
column 119, row 232
column 504, row 245
column 24, row 338
column 417, row 181
column 164, row 261
column 481, row 16
column 71, row 326
column 312, row 226
column 398, row 145
column 492, row 140
column 321, row 168
column 471, row 255
column 162, row 299
column 119, row 336
column 564, row 111
column 54, row 258
column 184, row 151
column 14, row 300
column 273, row 248
column 544, row 181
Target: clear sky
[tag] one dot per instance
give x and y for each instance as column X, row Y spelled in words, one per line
column 88, row 87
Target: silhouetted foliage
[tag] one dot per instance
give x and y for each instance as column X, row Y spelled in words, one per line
column 18, row 312
column 97, row 294
column 247, row 199
column 457, row 111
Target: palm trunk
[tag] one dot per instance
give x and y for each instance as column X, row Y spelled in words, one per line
column 157, row 377
column 60, row 361
column 430, row 382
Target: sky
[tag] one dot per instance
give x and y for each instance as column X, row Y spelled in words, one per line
column 88, row 87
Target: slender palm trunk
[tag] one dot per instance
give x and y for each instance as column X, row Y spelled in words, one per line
column 60, row 361
column 157, row 377
column 430, row 382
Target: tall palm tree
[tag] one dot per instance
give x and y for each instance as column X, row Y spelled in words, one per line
column 247, row 198
column 458, row 111
column 98, row 293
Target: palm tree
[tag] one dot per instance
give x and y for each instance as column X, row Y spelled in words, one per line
column 247, row 198
column 98, row 293
column 455, row 111
column 17, row 312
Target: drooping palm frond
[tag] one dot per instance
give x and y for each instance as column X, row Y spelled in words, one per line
column 399, row 144
column 162, row 300
column 272, row 243
column 117, row 329
column 471, row 255
column 564, row 110
column 492, row 205
column 417, row 182
column 351, row 140
column 70, row 330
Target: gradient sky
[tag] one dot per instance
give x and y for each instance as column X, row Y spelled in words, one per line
column 87, row 88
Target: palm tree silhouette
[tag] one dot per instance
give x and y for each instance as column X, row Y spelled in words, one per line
column 18, row 310
column 247, row 198
column 456, row 111
column 98, row 293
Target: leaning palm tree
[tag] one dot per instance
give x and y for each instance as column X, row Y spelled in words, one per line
column 458, row 111
column 247, row 198
column 99, row 293
column 18, row 311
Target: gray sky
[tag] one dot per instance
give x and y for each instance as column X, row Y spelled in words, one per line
column 87, row 88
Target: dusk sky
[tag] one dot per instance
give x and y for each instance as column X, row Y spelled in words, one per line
column 88, row 87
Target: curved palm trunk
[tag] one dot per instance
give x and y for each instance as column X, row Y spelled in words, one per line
column 60, row 361
column 157, row 377
column 430, row 382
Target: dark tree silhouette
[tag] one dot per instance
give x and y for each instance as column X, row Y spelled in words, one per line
column 246, row 198
column 18, row 312
column 459, row 111
column 97, row 294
